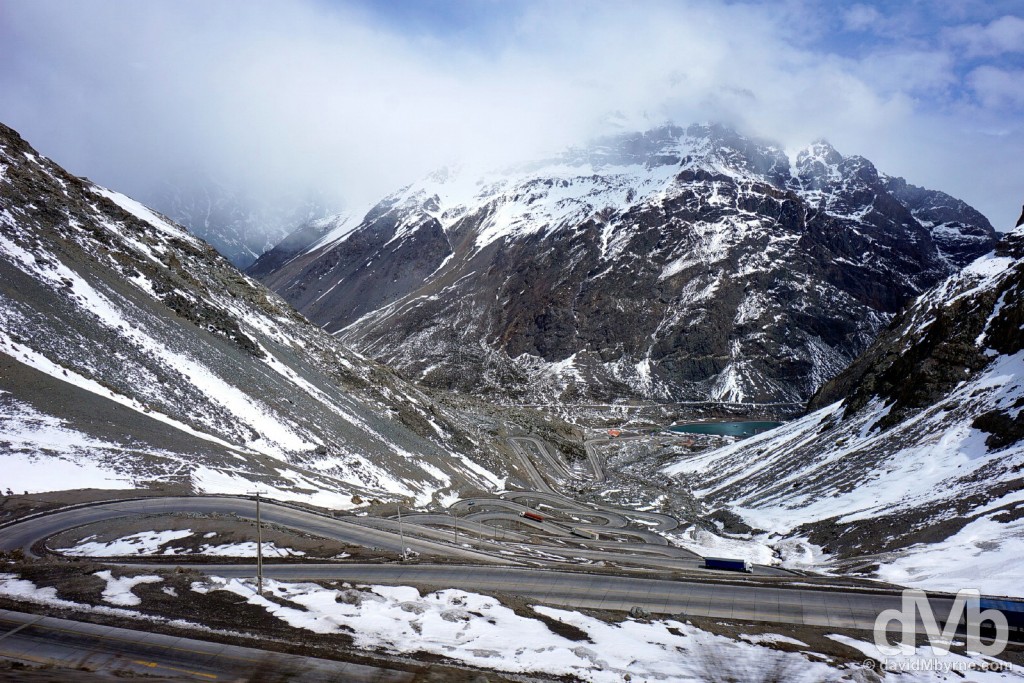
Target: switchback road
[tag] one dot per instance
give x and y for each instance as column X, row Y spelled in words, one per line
column 835, row 607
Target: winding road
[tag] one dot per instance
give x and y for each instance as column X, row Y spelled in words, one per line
column 838, row 607
column 541, row 560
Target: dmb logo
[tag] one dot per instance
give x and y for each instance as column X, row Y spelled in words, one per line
column 966, row 608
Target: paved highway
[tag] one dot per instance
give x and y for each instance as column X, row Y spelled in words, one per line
column 571, row 548
column 73, row 645
column 461, row 524
column 575, row 512
column 43, row 640
column 833, row 608
column 531, row 470
column 658, row 521
column 24, row 535
column 573, row 589
column 594, row 459
column 543, row 450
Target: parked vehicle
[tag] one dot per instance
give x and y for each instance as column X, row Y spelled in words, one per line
column 728, row 564
column 532, row 515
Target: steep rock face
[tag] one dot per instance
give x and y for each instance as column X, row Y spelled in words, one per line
column 132, row 354
column 946, row 336
column 957, row 228
column 677, row 265
column 911, row 465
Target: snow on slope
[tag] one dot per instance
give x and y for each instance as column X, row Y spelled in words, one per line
column 29, row 441
column 664, row 265
column 915, row 476
column 159, row 362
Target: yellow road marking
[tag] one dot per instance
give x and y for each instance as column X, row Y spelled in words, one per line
column 130, row 641
column 50, row 661
column 154, row 665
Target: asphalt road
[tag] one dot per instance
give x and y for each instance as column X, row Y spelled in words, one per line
column 563, row 509
column 845, row 608
column 543, row 450
column 658, row 521
column 849, row 609
column 69, row 644
column 531, row 470
column 72, row 645
column 24, row 534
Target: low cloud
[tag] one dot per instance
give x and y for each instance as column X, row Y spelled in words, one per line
column 284, row 97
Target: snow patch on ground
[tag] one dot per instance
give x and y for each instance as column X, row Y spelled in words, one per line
column 15, row 588
column 146, row 215
column 849, row 468
column 708, row 544
column 762, row 638
column 920, row 664
column 985, row 554
column 147, row 543
column 476, row 629
column 43, row 453
column 209, row 480
column 142, row 543
column 119, row 590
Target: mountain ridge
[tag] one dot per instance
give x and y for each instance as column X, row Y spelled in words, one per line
column 908, row 467
column 133, row 354
column 536, row 281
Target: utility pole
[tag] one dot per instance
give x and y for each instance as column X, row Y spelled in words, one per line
column 401, row 534
column 259, row 548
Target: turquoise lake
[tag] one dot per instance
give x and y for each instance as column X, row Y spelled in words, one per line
column 740, row 429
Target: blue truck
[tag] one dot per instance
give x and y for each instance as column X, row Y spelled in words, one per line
column 728, row 564
column 1014, row 612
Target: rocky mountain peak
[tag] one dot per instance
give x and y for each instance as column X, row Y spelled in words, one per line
column 673, row 264
column 821, row 168
column 820, row 152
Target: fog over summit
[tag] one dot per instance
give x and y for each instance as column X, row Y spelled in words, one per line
column 353, row 99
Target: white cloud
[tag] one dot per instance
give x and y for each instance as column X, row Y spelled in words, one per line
column 306, row 93
column 998, row 87
column 1001, row 36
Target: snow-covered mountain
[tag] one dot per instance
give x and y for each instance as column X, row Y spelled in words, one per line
column 239, row 225
column 132, row 355
column 911, row 466
column 675, row 265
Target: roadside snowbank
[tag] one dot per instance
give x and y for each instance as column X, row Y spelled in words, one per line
column 157, row 542
column 479, row 630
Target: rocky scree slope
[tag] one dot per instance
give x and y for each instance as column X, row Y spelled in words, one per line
column 132, row 355
column 911, row 464
column 675, row 265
